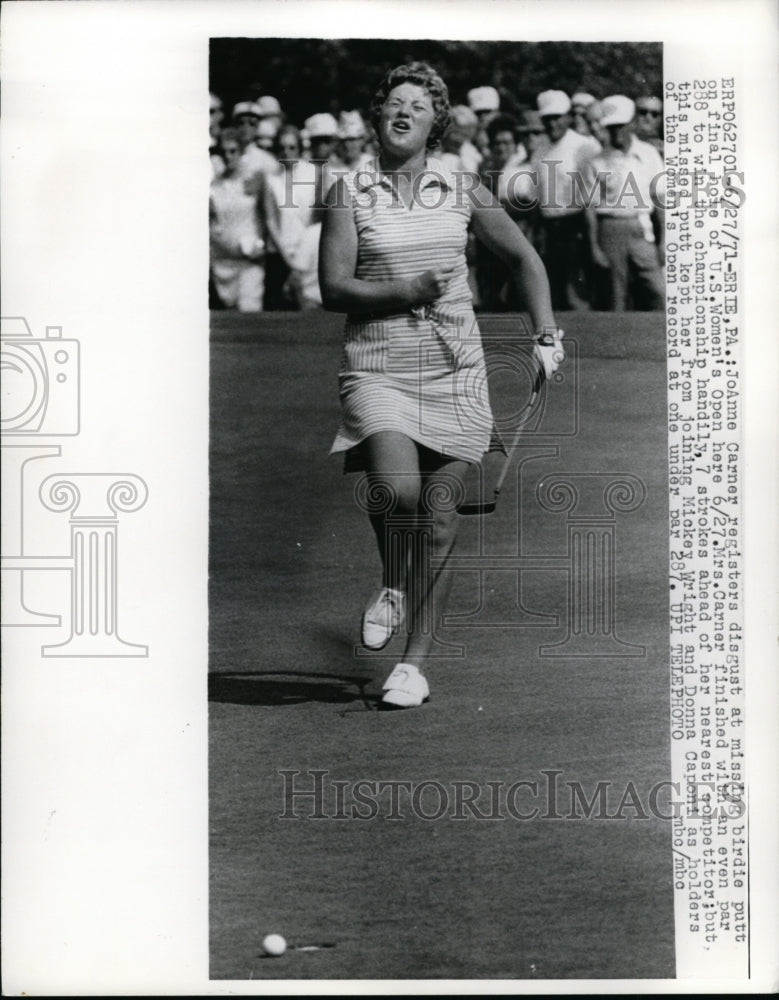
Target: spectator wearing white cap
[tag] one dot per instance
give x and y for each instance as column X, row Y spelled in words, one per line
column 322, row 131
column 485, row 104
column 627, row 196
column 246, row 118
column 579, row 104
column 270, row 111
column 557, row 174
column 459, row 152
column 649, row 121
column 353, row 135
column 266, row 134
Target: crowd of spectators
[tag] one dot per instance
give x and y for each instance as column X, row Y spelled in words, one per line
column 581, row 177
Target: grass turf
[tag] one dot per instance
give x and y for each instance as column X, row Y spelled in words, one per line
column 292, row 562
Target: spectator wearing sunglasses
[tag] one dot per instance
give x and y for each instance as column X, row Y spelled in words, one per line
column 649, row 121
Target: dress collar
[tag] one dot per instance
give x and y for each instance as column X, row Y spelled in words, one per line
column 435, row 172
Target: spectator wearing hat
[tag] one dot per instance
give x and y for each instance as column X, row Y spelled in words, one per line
column 524, row 206
column 455, row 138
column 266, row 134
column 322, row 132
column 558, row 176
column 353, row 135
column 460, row 153
column 579, row 104
column 649, row 122
column 246, row 118
column 270, row 111
column 485, row 104
column 626, row 181
column 532, row 133
column 594, row 115
column 497, row 288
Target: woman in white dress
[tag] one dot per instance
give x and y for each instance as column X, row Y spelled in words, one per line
column 413, row 383
column 242, row 216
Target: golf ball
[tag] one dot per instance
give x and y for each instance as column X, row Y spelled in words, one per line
column 274, row 944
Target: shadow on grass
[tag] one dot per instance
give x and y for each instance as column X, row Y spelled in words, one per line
column 287, row 688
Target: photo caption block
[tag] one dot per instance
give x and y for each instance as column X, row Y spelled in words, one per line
column 703, row 197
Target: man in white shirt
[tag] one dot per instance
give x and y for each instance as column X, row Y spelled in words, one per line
column 558, row 175
column 625, row 214
column 246, row 118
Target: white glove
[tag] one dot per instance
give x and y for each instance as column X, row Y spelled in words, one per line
column 548, row 349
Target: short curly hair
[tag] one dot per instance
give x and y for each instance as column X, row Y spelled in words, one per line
column 424, row 76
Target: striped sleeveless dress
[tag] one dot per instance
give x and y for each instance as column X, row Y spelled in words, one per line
column 420, row 372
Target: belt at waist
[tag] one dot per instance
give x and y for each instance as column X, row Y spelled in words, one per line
column 455, row 311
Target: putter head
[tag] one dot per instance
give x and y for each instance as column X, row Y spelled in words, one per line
column 468, row 509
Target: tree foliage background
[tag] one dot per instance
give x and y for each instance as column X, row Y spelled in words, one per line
column 308, row 75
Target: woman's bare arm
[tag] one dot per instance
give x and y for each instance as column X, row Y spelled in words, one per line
column 342, row 292
column 502, row 236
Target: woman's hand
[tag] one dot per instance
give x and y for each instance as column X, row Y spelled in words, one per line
column 431, row 284
column 342, row 291
column 549, row 351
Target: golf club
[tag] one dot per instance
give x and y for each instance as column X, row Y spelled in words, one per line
column 488, row 506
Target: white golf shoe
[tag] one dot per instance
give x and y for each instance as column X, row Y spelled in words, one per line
column 383, row 618
column 405, row 687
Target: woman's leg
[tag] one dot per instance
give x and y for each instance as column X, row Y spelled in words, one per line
column 429, row 583
column 394, row 484
column 415, row 494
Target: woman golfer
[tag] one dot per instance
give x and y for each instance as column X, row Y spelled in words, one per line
column 413, row 388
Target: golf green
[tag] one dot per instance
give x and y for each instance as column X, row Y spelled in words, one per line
column 552, row 670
